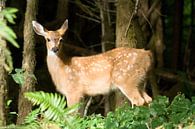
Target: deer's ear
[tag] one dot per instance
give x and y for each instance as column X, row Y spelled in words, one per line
column 64, row 27
column 38, row 28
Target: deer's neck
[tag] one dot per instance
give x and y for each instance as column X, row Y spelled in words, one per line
column 58, row 61
column 58, row 70
column 54, row 63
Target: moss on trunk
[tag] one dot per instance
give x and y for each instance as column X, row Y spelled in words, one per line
column 28, row 64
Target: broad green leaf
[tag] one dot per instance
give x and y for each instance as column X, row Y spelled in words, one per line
column 18, row 76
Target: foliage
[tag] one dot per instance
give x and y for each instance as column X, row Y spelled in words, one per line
column 18, row 76
column 181, row 112
column 8, row 34
column 51, row 107
column 161, row 113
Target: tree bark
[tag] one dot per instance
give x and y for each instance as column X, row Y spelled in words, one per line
column 157, row 24
column 156, row 43
column 61, row 14
column 177, row 33
column 128, row 32
column 3, row 85
column 28, row 64
column 62, row 10
column 192, row 39
column 107, row 39
column 3, row 75
column 3, row 93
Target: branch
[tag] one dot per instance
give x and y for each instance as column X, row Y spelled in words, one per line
column 173, row 76
column 84, row 51
column 87, row 106
column 88, row 18
column 147, row 15
column 156, row 2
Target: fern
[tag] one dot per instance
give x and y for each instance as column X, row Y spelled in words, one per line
column 52, row 108
column 32, row 116
column 6, row 32
column 33, row 125
column 52, row 105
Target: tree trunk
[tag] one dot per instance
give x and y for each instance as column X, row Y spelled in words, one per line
column 192, row 39
column 157, row 43
column 128, row 32
column 107, row 41
column 3, row 85
column 3, row 92
column 62, row 10
column 3, row 75
column 28, row 64
column 177, row 33
column 61, row 14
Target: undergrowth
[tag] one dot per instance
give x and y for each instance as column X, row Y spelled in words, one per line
column 52, row 113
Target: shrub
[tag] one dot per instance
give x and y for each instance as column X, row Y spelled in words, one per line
column 161, row 113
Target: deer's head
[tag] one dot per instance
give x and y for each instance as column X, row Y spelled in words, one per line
column 53, row 38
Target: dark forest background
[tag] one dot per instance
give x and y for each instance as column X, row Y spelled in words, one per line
column 166, row 27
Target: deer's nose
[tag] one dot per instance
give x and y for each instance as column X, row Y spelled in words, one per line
column 55, row 49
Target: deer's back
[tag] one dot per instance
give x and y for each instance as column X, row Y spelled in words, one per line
column 115, row 66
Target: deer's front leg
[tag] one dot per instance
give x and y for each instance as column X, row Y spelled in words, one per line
column 73, row 99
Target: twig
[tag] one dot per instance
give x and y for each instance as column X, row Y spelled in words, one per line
column 136, row 6
column 147, row 15
column 134, row 13
column 87, row 106
column 156, row 2
column 89, row 18
column 146, row 18
column 172, row 76
column 80, row 49
column 129, row 24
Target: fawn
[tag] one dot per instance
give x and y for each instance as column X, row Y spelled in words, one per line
column 122, row 68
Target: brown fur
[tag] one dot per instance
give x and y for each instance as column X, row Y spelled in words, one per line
column 122, row 68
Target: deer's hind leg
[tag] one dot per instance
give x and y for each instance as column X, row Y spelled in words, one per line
column 132, row 92
column 146, row 97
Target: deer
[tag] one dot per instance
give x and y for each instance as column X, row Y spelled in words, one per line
column 121, row 68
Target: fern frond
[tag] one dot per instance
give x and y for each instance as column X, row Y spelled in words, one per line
column 51, row 104
column 33, row 125
column 32, row 116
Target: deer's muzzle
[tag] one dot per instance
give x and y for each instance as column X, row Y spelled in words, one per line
column 55, row 49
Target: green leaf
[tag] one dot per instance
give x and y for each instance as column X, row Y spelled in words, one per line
column 9, row 14
column 8, row 102
column 8, row 34
column 32, row 116
column 8, row 60
column 18, row 76
column 52, row 105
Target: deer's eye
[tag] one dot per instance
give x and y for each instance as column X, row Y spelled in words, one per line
column 61, row 40
column 48, row 40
